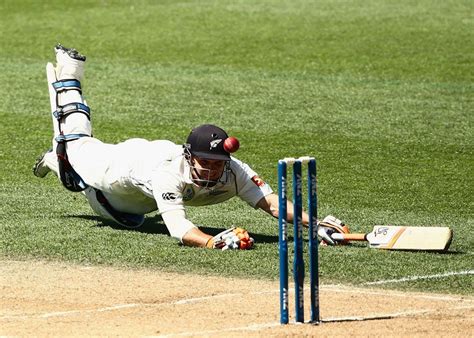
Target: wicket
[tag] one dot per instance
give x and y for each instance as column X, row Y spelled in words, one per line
column 298, row 264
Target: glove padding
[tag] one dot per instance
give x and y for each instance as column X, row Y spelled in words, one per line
column 328, row 226
column 233, row 238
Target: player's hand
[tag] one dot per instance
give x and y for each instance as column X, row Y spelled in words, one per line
column 233, row 238
column 328, row 226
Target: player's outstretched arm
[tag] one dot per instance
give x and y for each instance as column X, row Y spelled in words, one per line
column 195, row 237
column 190, row 235
column 183, row 229
column 327, row 226
column 270, row 205
column 233, row 238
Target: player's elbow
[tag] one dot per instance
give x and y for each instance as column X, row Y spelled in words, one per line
column 176, row 233
column 269, row 204
column 274, row 211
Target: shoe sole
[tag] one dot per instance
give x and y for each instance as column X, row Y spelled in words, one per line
column 39, row 169
column 71, row 52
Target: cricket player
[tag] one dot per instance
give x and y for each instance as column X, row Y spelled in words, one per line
column 123, row 182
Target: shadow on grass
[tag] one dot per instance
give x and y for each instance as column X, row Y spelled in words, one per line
column 361, row 245
column 155, row 225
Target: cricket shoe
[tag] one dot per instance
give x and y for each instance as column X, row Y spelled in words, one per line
column 69, row 63
column 40, row 169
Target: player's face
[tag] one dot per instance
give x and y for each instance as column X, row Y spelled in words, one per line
column 208, row 169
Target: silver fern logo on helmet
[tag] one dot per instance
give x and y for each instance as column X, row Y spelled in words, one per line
column 214, row 143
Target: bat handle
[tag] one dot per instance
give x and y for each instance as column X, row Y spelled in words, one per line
column 348, row 237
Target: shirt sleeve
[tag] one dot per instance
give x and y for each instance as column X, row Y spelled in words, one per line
column 177, row 223
column 250, row 187
column 167, row 189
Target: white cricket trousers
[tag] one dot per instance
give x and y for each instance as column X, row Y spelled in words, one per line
column 99, row 164
column 91, row 158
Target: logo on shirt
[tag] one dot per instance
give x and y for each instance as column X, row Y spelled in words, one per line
column 258, row 181
column 214, row 143
column 168, row 196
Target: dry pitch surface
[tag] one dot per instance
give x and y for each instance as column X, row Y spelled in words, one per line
column 59, row 299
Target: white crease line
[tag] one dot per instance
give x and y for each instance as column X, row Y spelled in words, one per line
column 346, row 289
column 413, row 278
column 257, row 327
column 72, row 312
column 117, row 307
column 104, row 309
column 402, row 295
column 120, row 306
column 199, row 299
column 332, row 288
column 392, row 315
column 329, row 288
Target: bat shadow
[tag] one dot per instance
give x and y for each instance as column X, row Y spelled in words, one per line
column 363, row 246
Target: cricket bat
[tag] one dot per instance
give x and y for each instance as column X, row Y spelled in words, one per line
column 391, row 237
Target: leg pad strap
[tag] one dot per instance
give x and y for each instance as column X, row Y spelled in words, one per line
column 71, row 108
column 69, row 137
column 69, row 177
column 65, row 85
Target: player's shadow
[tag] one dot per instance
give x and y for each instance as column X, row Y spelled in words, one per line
column 155, row 225
column 151, row 225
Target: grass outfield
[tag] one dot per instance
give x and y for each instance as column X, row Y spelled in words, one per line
column 381, row 92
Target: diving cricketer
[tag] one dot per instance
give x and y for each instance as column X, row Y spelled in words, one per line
column 123, row 182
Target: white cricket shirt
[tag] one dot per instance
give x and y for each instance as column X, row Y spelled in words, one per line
column 154, row 175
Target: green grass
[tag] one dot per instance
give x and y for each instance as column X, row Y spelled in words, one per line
column 381, row 92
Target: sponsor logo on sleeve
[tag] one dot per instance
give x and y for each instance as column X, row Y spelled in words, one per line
column 258, row 181
column 168, row 196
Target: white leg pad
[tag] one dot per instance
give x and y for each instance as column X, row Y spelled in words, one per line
column 73, row 123
column 51, row 77
column 51, row 161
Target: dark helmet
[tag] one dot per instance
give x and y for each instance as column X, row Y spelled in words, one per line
column 207, row 142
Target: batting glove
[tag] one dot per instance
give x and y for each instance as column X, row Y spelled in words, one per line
column 328, row 226
column 231, row 239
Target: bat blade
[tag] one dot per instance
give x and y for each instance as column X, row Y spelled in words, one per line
column 391, row 237
column 410, row 238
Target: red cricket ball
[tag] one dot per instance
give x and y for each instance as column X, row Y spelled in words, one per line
column 231, row 144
